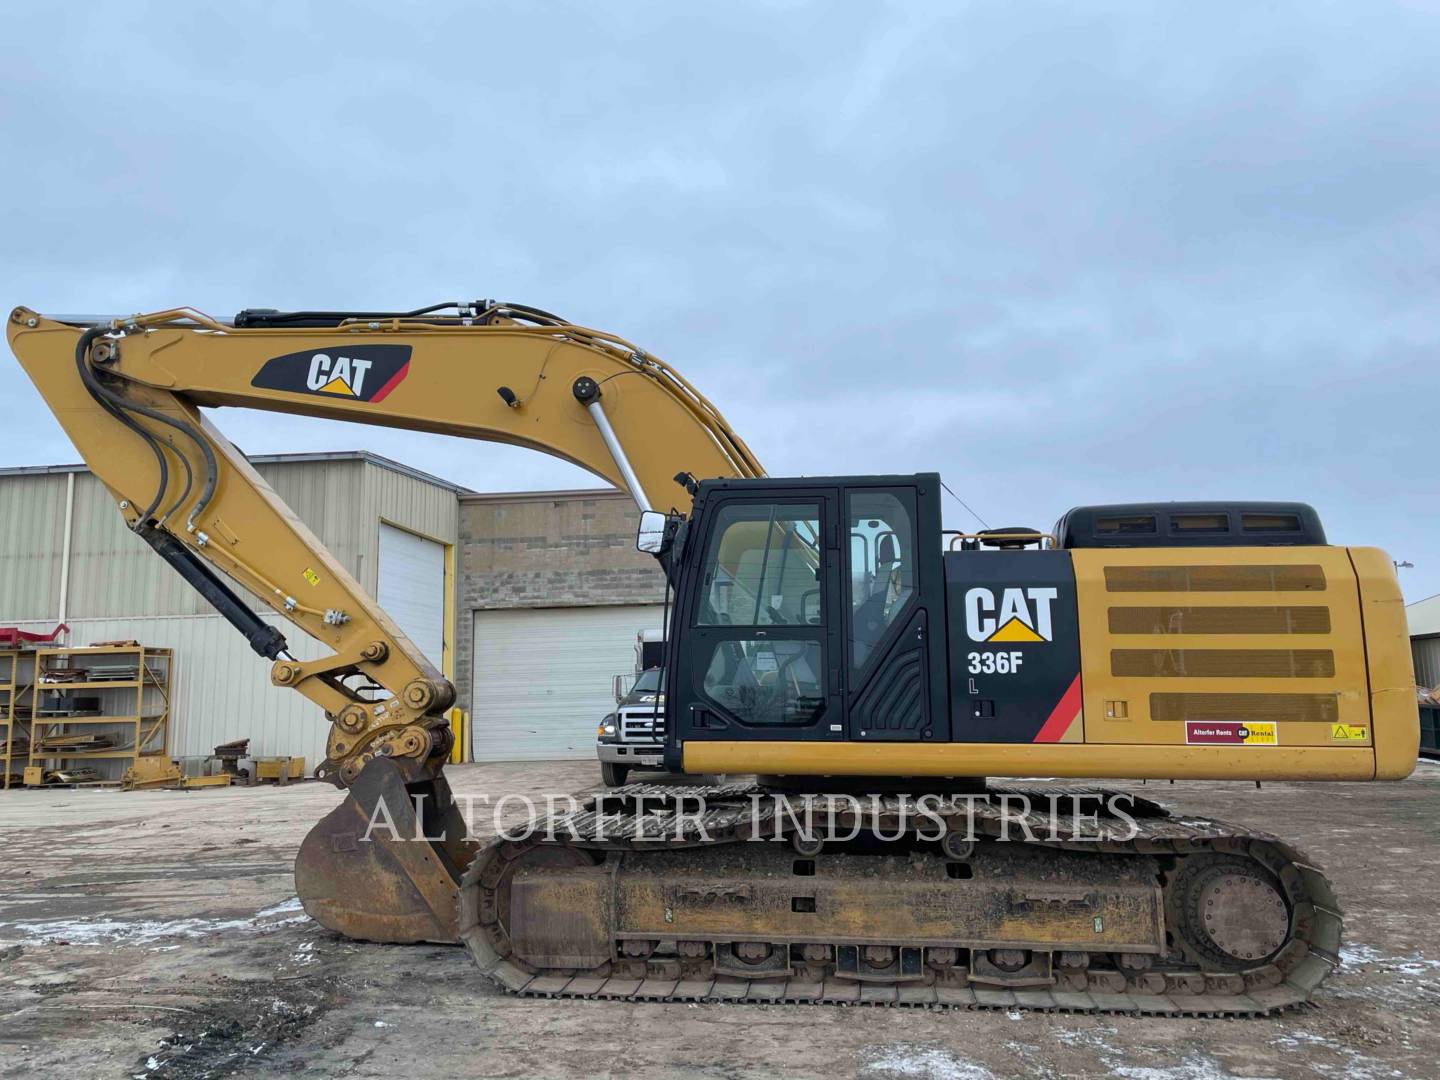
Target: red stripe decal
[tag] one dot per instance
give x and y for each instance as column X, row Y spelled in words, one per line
column 1062, row 715
column 394, row 382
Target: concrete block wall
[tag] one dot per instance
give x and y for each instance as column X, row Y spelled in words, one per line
column 547, row 549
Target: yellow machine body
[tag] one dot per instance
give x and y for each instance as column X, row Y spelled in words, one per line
column 1307, row 647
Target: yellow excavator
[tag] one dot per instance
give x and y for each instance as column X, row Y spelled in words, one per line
column 827, row 635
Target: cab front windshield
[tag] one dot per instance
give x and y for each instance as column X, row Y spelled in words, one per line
column 651, row 681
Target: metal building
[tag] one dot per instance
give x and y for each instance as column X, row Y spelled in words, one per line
column 66, row 556
column 1424, row 618
column 529, row 602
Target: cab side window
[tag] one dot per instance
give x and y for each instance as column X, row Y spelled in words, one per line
column 764, row 570
column 763, row 567
column 882, row 567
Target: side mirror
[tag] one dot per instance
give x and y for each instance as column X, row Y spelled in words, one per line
column 621, row 686
column 650, row 537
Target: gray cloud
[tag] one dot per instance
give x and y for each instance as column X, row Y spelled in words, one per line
column 1061, row 253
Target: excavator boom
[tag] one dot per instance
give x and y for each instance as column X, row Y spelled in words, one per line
column 129, row 392
column 129, row 395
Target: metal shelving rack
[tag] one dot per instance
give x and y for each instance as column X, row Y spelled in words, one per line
column 123, row 702
column 17, row 673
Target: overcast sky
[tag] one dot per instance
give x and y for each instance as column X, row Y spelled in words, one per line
column 1061, row 253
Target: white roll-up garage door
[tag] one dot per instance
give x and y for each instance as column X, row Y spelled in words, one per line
column 412, row 588
column 543, row 677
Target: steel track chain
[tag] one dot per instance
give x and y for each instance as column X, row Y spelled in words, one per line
column 1286, row 981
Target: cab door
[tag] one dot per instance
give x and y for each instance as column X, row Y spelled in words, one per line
column 759, row 656
column 894, row 613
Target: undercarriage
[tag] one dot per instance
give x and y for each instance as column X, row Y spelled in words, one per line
column 1006, row 900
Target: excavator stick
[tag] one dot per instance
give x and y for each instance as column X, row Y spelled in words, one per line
column 385, row 865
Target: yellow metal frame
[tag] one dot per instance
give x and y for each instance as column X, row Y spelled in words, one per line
column 11, row 663
column 149, row 733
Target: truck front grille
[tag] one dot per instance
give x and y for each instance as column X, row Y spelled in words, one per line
column 641, row 726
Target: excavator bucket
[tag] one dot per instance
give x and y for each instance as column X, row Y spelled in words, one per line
column 385, row 864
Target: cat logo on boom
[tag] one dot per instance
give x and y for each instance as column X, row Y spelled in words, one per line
column 338, row 375
column 358, row 372
column 1017, row 616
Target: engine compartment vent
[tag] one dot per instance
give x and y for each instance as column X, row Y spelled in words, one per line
column 1294, row 577
column 1306, row 619
column 1191, row 524
column 1223, row 663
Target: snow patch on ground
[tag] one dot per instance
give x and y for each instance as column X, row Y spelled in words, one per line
column 142, row 931
column 895, row 1061
column 285, row 907
column 1350, row 1064
column 1406, row 983
column 1194, row 1067
column 1093, row 1038
column 1101, row 1038
column 1415, row 964
column 918, row 1060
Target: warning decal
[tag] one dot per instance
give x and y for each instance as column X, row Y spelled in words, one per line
column 1349, row 732
column 1230, row 733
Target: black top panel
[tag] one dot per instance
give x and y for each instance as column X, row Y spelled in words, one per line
column 1191, row 524
column 764, row 483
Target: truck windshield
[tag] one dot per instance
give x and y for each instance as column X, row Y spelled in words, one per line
column 649, row 682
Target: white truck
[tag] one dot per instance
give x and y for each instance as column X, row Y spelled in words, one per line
column 633, row 736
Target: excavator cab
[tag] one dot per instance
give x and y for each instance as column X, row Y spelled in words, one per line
column 804, row 611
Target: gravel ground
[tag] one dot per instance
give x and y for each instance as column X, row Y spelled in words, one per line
column 158, row 934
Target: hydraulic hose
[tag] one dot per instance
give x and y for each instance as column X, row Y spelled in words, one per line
column 107, row 396
column 82, row 348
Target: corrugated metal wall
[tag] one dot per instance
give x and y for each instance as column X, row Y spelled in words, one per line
column 114, row 573
column 118, row 588
column 1426, row 652
column 32, row 524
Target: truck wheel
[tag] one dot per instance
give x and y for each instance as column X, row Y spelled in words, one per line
column 614, row 775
